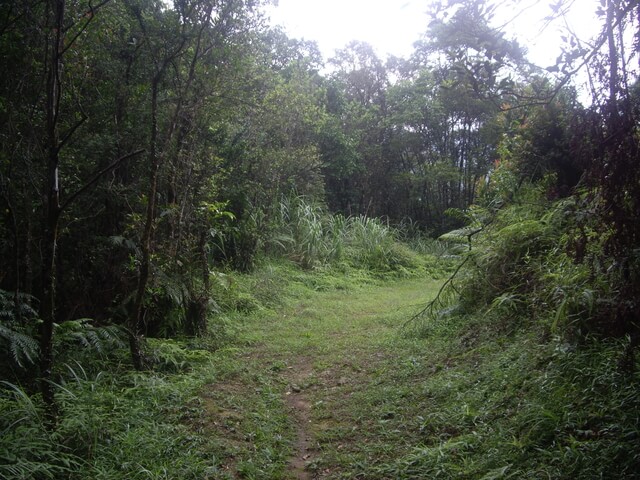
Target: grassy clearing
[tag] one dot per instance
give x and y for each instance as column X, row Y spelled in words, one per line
column 309, row 374
column 479, row 397
column 210, row 408
column 325, row 344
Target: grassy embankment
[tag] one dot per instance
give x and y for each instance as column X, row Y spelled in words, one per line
column 332, row 380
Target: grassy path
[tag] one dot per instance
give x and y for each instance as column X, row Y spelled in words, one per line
column 310, row 377
column 310, row 392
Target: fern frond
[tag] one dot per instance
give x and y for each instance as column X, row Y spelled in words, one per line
column 81, row 332
column 459, row 215
column 8, row 306
column 24, row 349
column 461, row 235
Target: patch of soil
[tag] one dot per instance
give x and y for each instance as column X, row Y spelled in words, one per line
column 297, row 400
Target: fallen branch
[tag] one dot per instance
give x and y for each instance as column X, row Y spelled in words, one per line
column 437, row 301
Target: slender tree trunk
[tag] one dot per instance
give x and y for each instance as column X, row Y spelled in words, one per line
column 26, row 280
column 52, row 202
column 614, row 80
column 137, row 315
column 197, row 310
column 178, row 132
column 206, row 284
column 48, row 302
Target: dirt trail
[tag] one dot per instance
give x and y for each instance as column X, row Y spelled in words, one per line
column 312, row 358
column 299, row 404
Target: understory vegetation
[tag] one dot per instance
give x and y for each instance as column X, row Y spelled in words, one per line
column 535, row 380
column 499, row 377
column 112, row 422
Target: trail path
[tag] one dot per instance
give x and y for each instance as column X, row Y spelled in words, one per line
column 301, row 376
column 300, row 406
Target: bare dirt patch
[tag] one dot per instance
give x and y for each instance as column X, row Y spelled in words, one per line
column 297, row 399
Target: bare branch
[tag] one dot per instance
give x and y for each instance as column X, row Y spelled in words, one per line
column 67, row 136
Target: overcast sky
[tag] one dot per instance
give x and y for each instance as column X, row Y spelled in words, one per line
column 391, row 26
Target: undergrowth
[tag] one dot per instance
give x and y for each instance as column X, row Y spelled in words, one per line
column 535, row 382
column 520, row 262
column 487, row 395
column 508, row 377
column 115, row 423
column 305, row 233
column 480, row 399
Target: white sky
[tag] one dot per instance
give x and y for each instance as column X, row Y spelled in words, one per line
column 392, row 26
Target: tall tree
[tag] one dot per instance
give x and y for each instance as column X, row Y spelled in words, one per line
column 362, row 80
column 55, row 116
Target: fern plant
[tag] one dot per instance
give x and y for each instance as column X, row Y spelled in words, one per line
column 82, row 333
column 17, row 324
column 501, row 268
column 23, row 349
column 518, row 266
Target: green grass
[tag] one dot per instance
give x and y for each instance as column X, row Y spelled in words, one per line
column 479, row 397
column 339, row 336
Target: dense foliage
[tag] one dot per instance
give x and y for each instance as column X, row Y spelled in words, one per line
column 145, row 145
column 150, row 148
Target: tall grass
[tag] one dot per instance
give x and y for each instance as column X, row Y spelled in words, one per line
column 307, row 234
column 300, row 231
column 372, row 243
column 114, row 424
column 28, row 448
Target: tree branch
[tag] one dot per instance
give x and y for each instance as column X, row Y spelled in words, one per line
column 72, row 130
column 437, row 301
column 89, row 15
column 97, row 177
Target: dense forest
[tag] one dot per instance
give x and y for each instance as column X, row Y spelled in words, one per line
column 151, row 150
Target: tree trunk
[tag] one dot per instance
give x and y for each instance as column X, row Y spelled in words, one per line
column 206, row 283
column 52, row 203
column 137, row 315
column 613, row 60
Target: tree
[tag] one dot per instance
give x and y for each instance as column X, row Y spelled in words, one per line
column 56, row 115
column 184, row 44
column 483, row 59
column 605, row 141
column 360, row 108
